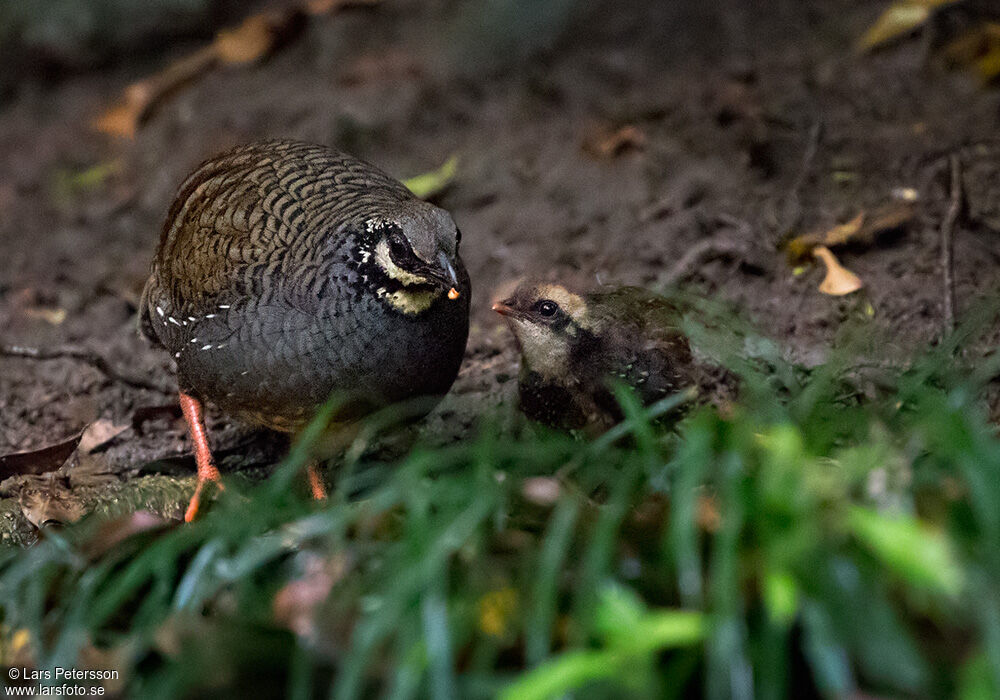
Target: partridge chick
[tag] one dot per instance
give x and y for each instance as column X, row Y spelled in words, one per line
column 575, row 347
column 289, row 273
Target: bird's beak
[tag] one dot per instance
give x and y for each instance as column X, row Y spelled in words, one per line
column 445, row 275
column 504, row 308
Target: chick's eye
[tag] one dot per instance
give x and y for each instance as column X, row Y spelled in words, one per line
column 458, row 236
column 546, row 308
column 398, row 248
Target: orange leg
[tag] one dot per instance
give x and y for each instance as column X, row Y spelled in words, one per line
column 315, row 482
column 194, row 415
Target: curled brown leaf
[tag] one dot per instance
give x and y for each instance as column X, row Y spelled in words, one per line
column 249, row 42
column 863, row 229
column 607, row 142
column 40, row 461
column 51, row 503
column 253, row 39
column 839, row 281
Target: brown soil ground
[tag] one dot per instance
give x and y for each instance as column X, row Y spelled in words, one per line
column 756, row 119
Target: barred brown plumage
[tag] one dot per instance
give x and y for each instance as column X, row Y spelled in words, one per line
column 288, row 273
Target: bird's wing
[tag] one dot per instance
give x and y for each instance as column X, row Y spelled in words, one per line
column 640, row 311
column 648, row 349
column 263, row 212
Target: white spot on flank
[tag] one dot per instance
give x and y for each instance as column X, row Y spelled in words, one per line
column 223, row 306
column 173, row 320
column 206, row 347
column 209, row 315
column 177, row 354
column 159, row 310
column 194, row 340
column 192, row 318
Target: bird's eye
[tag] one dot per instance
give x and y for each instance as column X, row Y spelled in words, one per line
column 546, row 308
column 458, row 236
column 399, row 249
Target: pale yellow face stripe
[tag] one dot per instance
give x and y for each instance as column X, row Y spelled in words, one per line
column 408, row 302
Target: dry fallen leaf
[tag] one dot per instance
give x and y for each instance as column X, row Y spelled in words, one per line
column 100, row 433
column 888, row 217
column 40, row 461
column 320, row 7
column 863, row 229
column 50, row 504
column 839, row 280
column 246, row 43
column 842, row 233
column 253, row 39
column 978, row 49
column 124, row 118
column 51, row 316
column 608, row 142
column 900, row 18
column 988, row 65
column 325, row 7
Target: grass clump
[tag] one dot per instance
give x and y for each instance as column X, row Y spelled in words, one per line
column 825, row 534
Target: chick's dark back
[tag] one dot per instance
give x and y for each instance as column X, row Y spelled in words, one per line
column 638, row 342
column 263, row 288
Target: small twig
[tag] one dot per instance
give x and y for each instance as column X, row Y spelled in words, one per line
column 792, row 213
column 81, row 354
column 698, row 254
column 947, row 232
column 808, row 156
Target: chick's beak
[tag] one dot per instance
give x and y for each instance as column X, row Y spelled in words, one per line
column 503, row 308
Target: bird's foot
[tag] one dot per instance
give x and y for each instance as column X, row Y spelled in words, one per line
column 207, row 471
column 192, row 510
column 316, row 482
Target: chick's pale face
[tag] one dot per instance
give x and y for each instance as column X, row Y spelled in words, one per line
column 544, row 318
